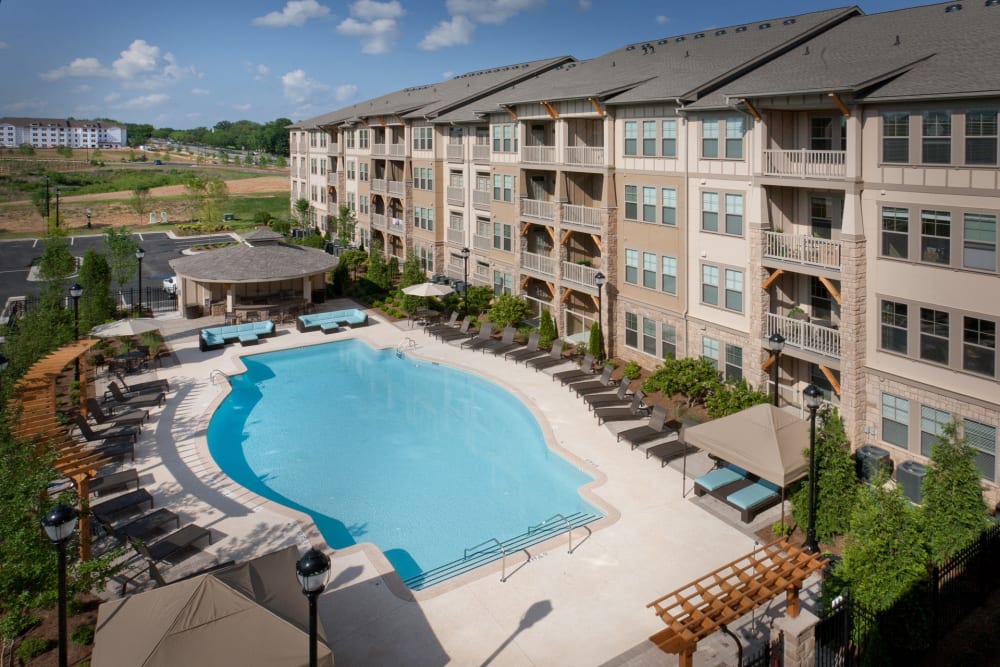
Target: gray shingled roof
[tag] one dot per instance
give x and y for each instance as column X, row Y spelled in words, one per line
column 242, row 263
column 938, row 54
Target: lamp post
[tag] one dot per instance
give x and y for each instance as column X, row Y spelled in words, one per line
column 75, row 291
column 777, row 343
column 46, row 198
column 88, row 218
column 57, row 207
column 599, row 281
column 812, row 397
column 139, row 254
column 3, row 367
column 312, row 570
column 464, row 254
column 59, row 525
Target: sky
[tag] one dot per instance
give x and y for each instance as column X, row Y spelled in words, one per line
column 184, row 64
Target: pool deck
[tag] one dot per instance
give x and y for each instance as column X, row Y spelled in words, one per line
column 555, row 608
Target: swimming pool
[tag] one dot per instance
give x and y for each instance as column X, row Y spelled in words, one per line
column 424, row 461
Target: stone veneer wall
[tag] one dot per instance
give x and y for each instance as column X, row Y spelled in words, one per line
column 853, row 336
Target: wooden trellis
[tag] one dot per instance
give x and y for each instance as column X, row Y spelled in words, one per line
column 698, row 609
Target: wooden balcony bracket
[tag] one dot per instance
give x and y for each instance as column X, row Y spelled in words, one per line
column 597, row 107
column 552, row 288
column 524, row 228
column 831, row 378
column 551, row 232
column 551, row 109
column 597, row 304
column 510, row 110
column 597, row 241
column 398, row 119
column 565, row 295
column 771, row 278
column 840, row 104
column 751, row 108
column 767, row 364
column 524, row 281
column 364, row 122
column 831, row 289
column 565, row 237
column 380, row 120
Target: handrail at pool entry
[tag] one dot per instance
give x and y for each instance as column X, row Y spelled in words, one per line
column 215, row 373
column 557, row 515
column 503, row 555
column 405, row 344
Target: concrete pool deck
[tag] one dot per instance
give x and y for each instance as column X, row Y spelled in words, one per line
column 555, row 608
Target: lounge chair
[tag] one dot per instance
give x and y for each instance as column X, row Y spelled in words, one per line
column 622, row 396
column 155, row 386
column 94, row 433
column 463, row 331
column 603, row 383
column 119, row 399
column 507, row 339
column 173, row 545
column 584, row 372
column 634, row 410
column 134, row 417
column 115, row 481
column 143, row 527
column 526, row 352
column 666, row 451
column 482, row 338
column 658, row 427
column 545, row 360
column 754, row 499
column 114, row 450
column 436, row 326
column 123, row 503
column 722, row 481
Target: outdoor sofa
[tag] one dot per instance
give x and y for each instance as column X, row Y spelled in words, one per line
column 331, row 322
column 213, row 338
column 740, row 489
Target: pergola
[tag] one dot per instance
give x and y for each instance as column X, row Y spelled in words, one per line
column 698, row 609
column 33, row 406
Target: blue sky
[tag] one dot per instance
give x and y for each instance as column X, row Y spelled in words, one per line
column 184, row 64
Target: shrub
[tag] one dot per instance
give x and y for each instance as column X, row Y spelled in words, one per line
column 732, row 397
column 631, row 370
column 595, row 345
column 477, row 299
column 14, row 625
column 546, row 330
column 83, row 635
column 32, row 647
column 262, row 218
column 695, row 378
column 507, row 310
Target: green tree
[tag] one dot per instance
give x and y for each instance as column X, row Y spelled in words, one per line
column 507, row 310
column 121, row 247
column 57, row 262
column 595, row 345
column 953, row 510
column 138, row 133
column 343, row 225
column 140, row 201
column 25, row 149
column 477, row 299
column 695, row 378
column 732, row 397
column 884, row 553
column 302, row 209
column 353, row 260
column 546, row 330
column 96, row 303
column 214, row 200
column 412, row 274
column 836, row 480
column 378, row 269
column 64, row 151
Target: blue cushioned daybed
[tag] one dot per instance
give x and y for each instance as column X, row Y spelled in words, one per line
column 718, row 478
column 755, row 498
column 213, row 338
column 332, row 321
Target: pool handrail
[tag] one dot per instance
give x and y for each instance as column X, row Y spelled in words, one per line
column 557, row 515
column 503, row 555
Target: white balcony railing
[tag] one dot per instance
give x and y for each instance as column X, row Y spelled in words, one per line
column 538, row 154
column 805, row 335
column 804, row 163
column 481, row 152
column 378, row 221
column 455, row 235
column 378, row 185
column 397, row 188
column 481, row 198
column 579, row 274
column 455, row 194
column 538, row 263
column 396, row 150
column 333, row 148
column 396, row 225
column 331, row 177
column 801, row 249
column 482, row 242
column 585, row 156
column 378, row 150
column 536, row 208
column 454, row 151
column 792, row 395
column 586, row 216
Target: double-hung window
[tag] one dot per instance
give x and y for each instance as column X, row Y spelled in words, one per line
column 502, row 236
column 668, row 274
column 363, row 171
column 937, row 137
column 631, row 202
column 934, row 335
column 631, row 137
column 734, row 138
column 710, row 211
column 895, row 232
column 932, row 424
column 935, row 237
column 983, row 439
column 710, row 138
column 894, row 326
column 668, row 206
column 734, row 214
column 734, row 290
column 632, row 266
column 895, row 420
column 649, row 270
column 896, row 136
column 710, row 284
column 979, row 346
column 980, row 242
column 649, row 336
column 668, row 341
column 631, row 330
column 649, row 137
column 668, row 139
column 423, row 138
column 710, row 350
column 503, row 187
column 734, row 363
column 981, row 137
column 648, row 204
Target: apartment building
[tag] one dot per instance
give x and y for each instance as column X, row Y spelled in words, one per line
column 52, row 132
column 830, row 177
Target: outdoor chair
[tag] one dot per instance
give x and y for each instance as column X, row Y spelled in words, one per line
column 667, row 451
column 93, row 433
column 147, row 400
column 623, row 396
column 126, row 502
column 603, row 383
column 504, row 348
column 634, row 410
column 584, row 372
column 554, row 353
column 175, row 544
column 114, row 450
column 658, row 427
column 134, row 417
column 528, row 351
column 150, row 386
column 115, row 481
column 482, row 338
column 145, row 526
column 457, row 334
column 439, row 326
column 493, row 343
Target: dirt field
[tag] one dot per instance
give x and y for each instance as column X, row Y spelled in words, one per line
column 111, row 209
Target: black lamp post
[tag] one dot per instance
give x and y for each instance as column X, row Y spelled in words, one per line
column 777, row 343
column 599, row 281
column 57, row 207
column 3, row 366
column 59, row 525
column 46, row 198
column 464, row 254
column 139, row 254
column 812, row 397
column 75, row 291
column 312, row 570
column 88, row 218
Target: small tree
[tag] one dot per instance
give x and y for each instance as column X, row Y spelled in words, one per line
column 507, row 310
column 353, row 260
column 477, row 299
column 121, row 254
column 343, row 225
column 262, row 218
column 595, row 345
column 57, row 262
column 140, row 201
column 216, row 195
column 302, row 209
column 378, row 268
column 731, row 397
column 953, row 510
column 546, row 330
column 96, row 303
column 413, row 274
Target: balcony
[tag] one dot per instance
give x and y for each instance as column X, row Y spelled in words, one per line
column 540, row 264
column 805, row 335
column 333, row 148
column 454, row 151
column 585, row 156
column 536, row 208
column 805, row 250
column 585, row 216
column 396, row 150
column 331, row 177
column 396, row 225
column 579, row 274
column 379, row 185
column 378, row 221
column 455, row 194
column 539, row 154
column 481, row 199
column 481, row 152
column 397, row 188
column 804, row 163
column 456, row 236
column 378, row 150
column 482, row 242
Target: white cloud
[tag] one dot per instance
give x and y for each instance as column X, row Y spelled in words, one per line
column 374, row 22
column 112, row 97
column 200, row 91
column 491, row 11
column 584, row 5
column 295, row 12
column 345, row 92
column 662, row 20
column 459, row 30
column 4, row 45
column 83, row 89
column 447, row 75
column 138, row 66
column 78, row 67
column 242, row 107
column 144, row 101
column 262, row 72
column 298, row 87
column 21, row 106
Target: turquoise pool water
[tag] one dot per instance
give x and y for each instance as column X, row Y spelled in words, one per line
column 424, row 461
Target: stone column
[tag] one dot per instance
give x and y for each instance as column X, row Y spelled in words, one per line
column 853, row 307
column 800, row 638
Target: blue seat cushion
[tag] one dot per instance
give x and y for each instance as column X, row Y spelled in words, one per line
column 715, row 479
column 752, row 495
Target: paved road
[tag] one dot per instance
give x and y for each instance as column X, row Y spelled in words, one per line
column 16, row 257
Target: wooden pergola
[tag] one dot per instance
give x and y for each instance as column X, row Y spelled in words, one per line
column 33, row 404
column 698, row 609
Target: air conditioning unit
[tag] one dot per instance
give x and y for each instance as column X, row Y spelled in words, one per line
column 869, row 459
column 910, row 476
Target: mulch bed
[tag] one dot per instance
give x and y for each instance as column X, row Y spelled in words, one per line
column 48, row 628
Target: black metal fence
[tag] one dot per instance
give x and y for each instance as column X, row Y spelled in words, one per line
column 771, row 654
column 155, row 300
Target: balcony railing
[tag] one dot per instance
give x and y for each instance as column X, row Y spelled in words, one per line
column 396, row 150
column 454, row 151
column 805, row 335
column 378, row 185
column 455, row 235
column 585, row 216
column 397, row 188
column 579, row 274
column 801, row 249
column 333, row 148
column 455, row 194
column 481, row 152
column 585, row 156
column 378, row 221
column 396, row 225
column 481, row 198
column 482, row 242
column 538, row 263
column 536, row 208
column 378, row 150
column 538, row 154
column 331, row 177
column 804, row 163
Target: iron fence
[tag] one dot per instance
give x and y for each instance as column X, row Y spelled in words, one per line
column 771, row 654
column 155, row 300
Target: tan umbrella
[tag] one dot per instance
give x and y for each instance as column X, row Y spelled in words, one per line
column 428, row 289
column 130, row 326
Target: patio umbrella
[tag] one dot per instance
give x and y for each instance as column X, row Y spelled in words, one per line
column 131, row 326
column 428, row 289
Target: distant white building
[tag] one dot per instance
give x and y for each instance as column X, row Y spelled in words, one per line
column 51, row 132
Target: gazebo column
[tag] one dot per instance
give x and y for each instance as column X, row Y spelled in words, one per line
column 230, row 296
column 307, row 294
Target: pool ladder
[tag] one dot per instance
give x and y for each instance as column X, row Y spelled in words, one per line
column 216, row 373
column 545, row 524
column 405, row 344
column 503, row 555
